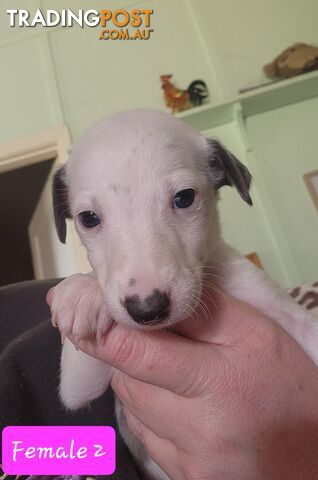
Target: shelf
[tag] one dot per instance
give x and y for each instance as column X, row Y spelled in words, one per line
column 269, row 97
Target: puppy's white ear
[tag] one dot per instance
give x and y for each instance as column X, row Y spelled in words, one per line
column 226, row 169
column 60, row 203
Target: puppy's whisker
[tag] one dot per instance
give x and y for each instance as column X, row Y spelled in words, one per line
column 209, row 299
column 62, row 213
column 200, row 306
column 210, row 288
column 204, row 296
column 210, row 296
column 210, row 283
column 62, row 204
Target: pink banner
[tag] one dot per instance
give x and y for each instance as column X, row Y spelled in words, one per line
column 58, row 450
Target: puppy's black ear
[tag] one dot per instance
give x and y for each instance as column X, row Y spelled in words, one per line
column 228, row 170
column 60, row 203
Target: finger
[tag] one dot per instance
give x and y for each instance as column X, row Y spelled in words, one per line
column 158, row 357
column 156, row 408
column 163, row 452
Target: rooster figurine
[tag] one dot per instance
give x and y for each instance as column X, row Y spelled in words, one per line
column 179, row 100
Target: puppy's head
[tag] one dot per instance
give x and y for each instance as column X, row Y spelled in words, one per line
column 141, row 187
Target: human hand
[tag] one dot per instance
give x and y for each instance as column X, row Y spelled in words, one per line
column 232, row 396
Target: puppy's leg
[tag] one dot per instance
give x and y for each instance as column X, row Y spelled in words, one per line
column 83, row 378
column 79, row 310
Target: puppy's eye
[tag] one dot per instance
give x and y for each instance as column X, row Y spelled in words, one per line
column 89, row 219
column 184, row 198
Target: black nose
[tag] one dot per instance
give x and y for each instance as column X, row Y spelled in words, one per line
column 150, row 310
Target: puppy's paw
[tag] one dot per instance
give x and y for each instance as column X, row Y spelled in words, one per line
column 78, row 307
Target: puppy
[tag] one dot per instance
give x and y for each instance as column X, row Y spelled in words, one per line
column 142, row 188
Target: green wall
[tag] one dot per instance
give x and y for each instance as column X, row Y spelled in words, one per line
column 285, row 143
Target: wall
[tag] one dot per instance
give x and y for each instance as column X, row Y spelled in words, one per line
column 70, row 75
column 56, row 76
column 244, row 35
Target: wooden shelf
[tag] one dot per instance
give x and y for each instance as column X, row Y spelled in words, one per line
column 269, row 97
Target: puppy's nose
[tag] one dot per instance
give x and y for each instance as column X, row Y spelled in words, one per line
column 149, row 310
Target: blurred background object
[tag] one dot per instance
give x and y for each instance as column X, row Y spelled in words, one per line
column 297, row 59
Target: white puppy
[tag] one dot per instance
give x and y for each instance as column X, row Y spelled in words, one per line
column 142, row 188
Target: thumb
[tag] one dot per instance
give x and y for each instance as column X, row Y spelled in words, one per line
column 160, row 358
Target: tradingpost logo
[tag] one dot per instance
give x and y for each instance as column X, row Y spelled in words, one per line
column 116, row 25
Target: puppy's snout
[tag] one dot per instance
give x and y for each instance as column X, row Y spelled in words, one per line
column 152, row 309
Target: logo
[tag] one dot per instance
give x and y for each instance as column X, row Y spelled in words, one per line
column 116, row 25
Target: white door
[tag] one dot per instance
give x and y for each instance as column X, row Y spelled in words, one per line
column 51, row 259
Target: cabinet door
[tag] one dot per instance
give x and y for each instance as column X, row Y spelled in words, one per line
column 250, row 229
column 285, row 144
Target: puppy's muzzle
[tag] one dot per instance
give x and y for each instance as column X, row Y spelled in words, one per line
column 150, row 310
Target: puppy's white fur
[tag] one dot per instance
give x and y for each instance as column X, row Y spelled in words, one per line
column 127, row 170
